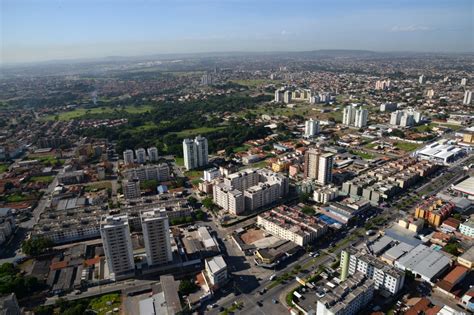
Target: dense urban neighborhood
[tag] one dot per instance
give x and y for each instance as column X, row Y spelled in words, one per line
column 318, row 182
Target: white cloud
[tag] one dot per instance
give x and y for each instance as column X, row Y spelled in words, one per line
column 285, row 33
column 411, row 28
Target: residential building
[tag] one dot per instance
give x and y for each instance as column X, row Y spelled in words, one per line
column 131, row 189
column 434, row 211
column 345, row 298
column 211, row 173
column 355, row 117
column 115, row 234
column 382, row 84
column 388, row 107
column 7, row 224
column 159, row 172
column 290, row 223
column 361, row 117
column 249, row 190
column 207, row 79
column 128, row 157
column 152, row 154
column 156, row 234
column 216, row 271
column 318, row 166
column 467, row 228
column 422, row 79
column 467, row 98
column 311, row 128
column 405, row 118
column 287, row 97
column 463, row 81
column 141, row 155
column 386, row 278
column 279, row 95
column 195, row 152
column 9, row 305
column 325, row 194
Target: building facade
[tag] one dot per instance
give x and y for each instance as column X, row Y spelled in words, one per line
column 156, row 234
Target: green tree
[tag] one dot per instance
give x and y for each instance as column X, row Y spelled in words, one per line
column 8, row 186
column 308, row 210
column 192, row 201
column 36, row 246
column 187, row 287
column 304, row 197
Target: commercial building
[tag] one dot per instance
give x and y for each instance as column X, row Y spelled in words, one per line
column 465, row 188
column 425, row 262
column 249, row 190
column 160, row 172
column 195, row 152
column 318, row 166
column 467, row 259
column 216, row 271
column 131, row 189
column 441, row 152
column 311, row 128
column 290, row 223
column 140, row 153
column 156, row 234
column 386, row 278
column 434, row 211
column 128, row 157
column 152, row 154
column 115, row 234
column 345, row 298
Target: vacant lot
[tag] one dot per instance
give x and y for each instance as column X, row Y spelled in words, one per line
column 78, row 112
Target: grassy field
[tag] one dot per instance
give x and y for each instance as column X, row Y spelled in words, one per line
column 179, row 161
column 365, row 156
column 186, row 133
column 78, row 112
column 16, row 197
column 98, row 186
column 407, row 146
column 42, row 179
column 193, row 174
column 105, row 303
column 241, row 149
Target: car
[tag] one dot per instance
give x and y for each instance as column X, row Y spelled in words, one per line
column 274, row 301
column 259, row 303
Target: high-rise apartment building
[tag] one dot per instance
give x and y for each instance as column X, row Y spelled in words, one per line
column 318, row 166
column 422, row 79
column 382, row 84
column 141, row 155
column 160, row 172
column 405, row 118
column 195, row 152
column 128, row 157
column 156, row 234
column 131, row 189
column 463, row 81
column 279, row 95
column 467, row 98
column 152, row 154
column 361, row 117
column 311, row 128
column 355, row 117
column 287, row 97
column 115, row 234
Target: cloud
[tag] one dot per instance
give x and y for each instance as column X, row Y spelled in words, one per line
column 411, row 28
column 285, row 33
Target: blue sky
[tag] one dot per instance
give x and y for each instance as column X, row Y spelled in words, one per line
column 35, row 30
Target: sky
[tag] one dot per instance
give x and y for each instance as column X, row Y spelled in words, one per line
column 39, row 30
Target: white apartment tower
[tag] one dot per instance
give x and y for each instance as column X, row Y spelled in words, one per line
column 141, row 155
column 156, row 234
column 152, row 154
column 463, row 81
column 318, row 166
column 128, row 157
column 311, row 128
column 467, row 98
column 287, row 97
column 361, row 117
column 422, row 79
column 348, row 115
column 279, row 95
column 115, row 234
column 195, row 152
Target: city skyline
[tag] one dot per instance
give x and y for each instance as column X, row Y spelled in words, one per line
column 55, row 30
